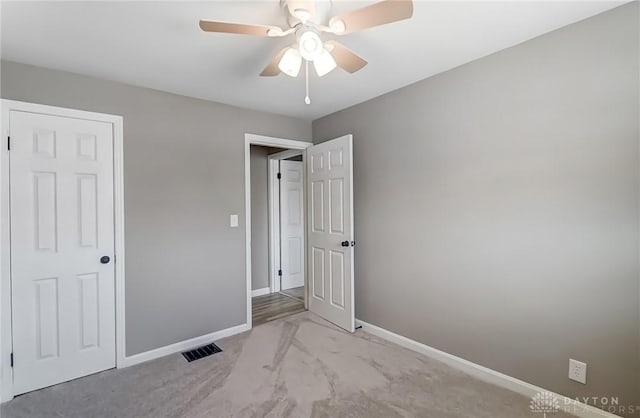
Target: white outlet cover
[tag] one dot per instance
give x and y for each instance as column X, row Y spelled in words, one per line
column 233, row 221
column 578, row 371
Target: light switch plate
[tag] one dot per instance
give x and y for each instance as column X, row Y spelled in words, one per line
column 233, row 221
column 578, row 371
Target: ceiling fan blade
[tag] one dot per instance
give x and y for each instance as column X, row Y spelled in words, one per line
column 241, row 28
column 344, row 57
column 272, row 68
column 381, row 13
column 302, row 9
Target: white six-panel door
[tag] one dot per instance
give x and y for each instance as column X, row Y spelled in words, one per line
column 292, row 223
column 330, row 217
column 62, row 224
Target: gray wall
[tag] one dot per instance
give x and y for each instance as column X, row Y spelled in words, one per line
column 259, row 217
column 496, row 208
column 184, row 176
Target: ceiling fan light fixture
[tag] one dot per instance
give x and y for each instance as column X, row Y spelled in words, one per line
column 291, row 62
column 310, row 45
column 324, row 64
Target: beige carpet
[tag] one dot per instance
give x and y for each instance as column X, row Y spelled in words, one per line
column 299, row 366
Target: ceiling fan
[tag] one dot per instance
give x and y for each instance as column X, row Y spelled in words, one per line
column 309, row 46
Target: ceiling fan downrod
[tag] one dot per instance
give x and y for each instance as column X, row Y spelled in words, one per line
column 307, row 99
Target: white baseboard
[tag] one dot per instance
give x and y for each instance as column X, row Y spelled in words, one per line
column 182, row 346
column 260, row 292
column 485, row 374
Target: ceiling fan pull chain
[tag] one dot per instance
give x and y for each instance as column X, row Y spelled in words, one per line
column 307, row 100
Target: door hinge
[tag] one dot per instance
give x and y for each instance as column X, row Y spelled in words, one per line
column 279, row 272
column 11, row 359
column 279, row 176
column 9, row 143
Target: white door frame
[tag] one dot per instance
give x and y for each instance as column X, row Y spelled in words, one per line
column 274, row 208
column 6, row 342
column 267, row 141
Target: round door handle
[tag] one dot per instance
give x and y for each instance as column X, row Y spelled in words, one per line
column 105, row 259
column 345, row 243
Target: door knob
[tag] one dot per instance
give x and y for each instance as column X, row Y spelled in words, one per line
column 105, row 259
column 345, row 243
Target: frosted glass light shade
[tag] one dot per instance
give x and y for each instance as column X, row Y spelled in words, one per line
column 291, row 62
column 324, row 63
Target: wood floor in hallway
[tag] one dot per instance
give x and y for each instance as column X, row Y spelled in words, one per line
column 274, row 306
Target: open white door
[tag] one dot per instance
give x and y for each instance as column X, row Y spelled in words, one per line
column 62, row 246
column 330, row 238
column 292, row 224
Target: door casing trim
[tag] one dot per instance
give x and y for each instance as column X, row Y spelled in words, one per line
column 6, row 339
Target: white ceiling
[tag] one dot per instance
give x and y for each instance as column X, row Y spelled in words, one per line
column 158, row 44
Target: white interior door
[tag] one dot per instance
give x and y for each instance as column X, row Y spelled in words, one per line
column 292, row 223
column 62, row 224
column 330, row 201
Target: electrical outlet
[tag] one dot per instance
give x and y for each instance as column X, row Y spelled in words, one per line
column 578, row 371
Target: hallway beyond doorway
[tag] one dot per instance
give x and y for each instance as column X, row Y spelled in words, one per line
column 295, row 292
column 274, row 306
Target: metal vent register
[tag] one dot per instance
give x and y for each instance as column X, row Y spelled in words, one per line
column 201, row 352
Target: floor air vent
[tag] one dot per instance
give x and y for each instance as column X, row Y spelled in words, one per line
column 201, row 352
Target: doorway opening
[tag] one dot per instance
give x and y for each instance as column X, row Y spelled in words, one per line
column 316, row 247
column 278, row 224
column 277, row 231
